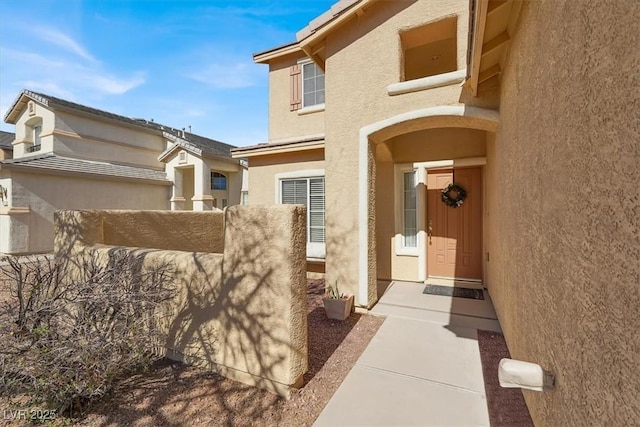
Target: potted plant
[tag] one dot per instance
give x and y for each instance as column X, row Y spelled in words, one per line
column 336, row 305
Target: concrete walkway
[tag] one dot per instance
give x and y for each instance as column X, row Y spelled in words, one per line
column 422, row 368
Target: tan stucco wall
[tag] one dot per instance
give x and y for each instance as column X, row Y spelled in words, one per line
column 284, row 123
column 242, row 313
column 564, row 218
column 195, row 231
column 385, row 213
column 356, row 79
column 438, row 144
column 105, row 141
column 263, row 170
column 43, row 194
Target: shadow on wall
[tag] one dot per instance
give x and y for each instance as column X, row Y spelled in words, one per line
column 241, row 312
column 337, row 251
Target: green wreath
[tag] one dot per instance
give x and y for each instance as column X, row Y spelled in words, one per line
column 453, row 195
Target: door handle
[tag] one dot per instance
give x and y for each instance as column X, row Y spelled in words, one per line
column 430, row 230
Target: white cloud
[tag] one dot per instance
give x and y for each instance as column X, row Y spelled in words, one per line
column 59, row 77
column 112, row 85
column 28, row 58
column 229, row 75
column 62, row 40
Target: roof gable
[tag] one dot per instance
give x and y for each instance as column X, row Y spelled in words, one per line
column 205, row 145
column 197, row 145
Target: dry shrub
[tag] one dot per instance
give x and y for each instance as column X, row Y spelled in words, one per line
column 66, row 338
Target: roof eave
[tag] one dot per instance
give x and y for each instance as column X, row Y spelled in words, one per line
column 12, row 114
column 267, row 149
column 48, row 171
column 268, row 55
column 479, row 8
column 312, row 38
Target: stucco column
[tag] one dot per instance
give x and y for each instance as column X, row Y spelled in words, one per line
column 177, row 199
column 202, row 199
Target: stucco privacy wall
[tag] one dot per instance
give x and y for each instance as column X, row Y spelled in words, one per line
column 43, row 193
column 357, row 76
column 565, row 210
column 241, row 312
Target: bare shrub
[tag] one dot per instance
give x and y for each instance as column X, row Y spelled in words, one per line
column 66, row 338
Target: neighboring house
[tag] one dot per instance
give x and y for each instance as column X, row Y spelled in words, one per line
column 69, row 156
column 531, row 107
column 6, row 148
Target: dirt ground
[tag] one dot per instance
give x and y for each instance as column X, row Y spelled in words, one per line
column 173, row 394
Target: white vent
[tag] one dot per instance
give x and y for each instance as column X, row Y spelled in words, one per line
column 182, row 157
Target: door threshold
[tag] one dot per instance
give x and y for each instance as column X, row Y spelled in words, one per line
column 455, row 282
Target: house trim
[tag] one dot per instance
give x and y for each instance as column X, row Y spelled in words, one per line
column 311, row 109
column 47, row 171
column 449, row 115
column 14, row 210
column 278, row 148
column 430, row 82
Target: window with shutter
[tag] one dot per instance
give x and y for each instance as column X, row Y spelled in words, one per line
column 308, row 192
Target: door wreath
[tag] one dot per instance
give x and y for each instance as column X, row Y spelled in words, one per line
column 453, row 195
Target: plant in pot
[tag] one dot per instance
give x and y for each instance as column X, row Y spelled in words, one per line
column 336, row 305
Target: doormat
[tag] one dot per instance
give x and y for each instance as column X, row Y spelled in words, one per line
column 451, row 291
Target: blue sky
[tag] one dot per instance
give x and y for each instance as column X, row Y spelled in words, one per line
column 181, row 63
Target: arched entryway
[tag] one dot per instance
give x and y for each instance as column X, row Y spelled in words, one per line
column 399, row 156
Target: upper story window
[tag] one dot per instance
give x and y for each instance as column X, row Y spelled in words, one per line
column 312, row 85
column 36, row 131
column 306, row 85
column 218, row 181
column 430, row 49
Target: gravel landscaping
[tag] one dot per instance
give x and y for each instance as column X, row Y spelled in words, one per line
column 173, row 394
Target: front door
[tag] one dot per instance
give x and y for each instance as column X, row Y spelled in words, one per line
column 454, row 235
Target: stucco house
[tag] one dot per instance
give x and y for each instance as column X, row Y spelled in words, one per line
column 70, row 156
column 531, row 109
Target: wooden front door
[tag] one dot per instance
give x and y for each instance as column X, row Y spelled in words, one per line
column 454, row 235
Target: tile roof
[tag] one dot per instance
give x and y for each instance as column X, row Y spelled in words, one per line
column 6, row 138
column 206, row 144
column 65, row 164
